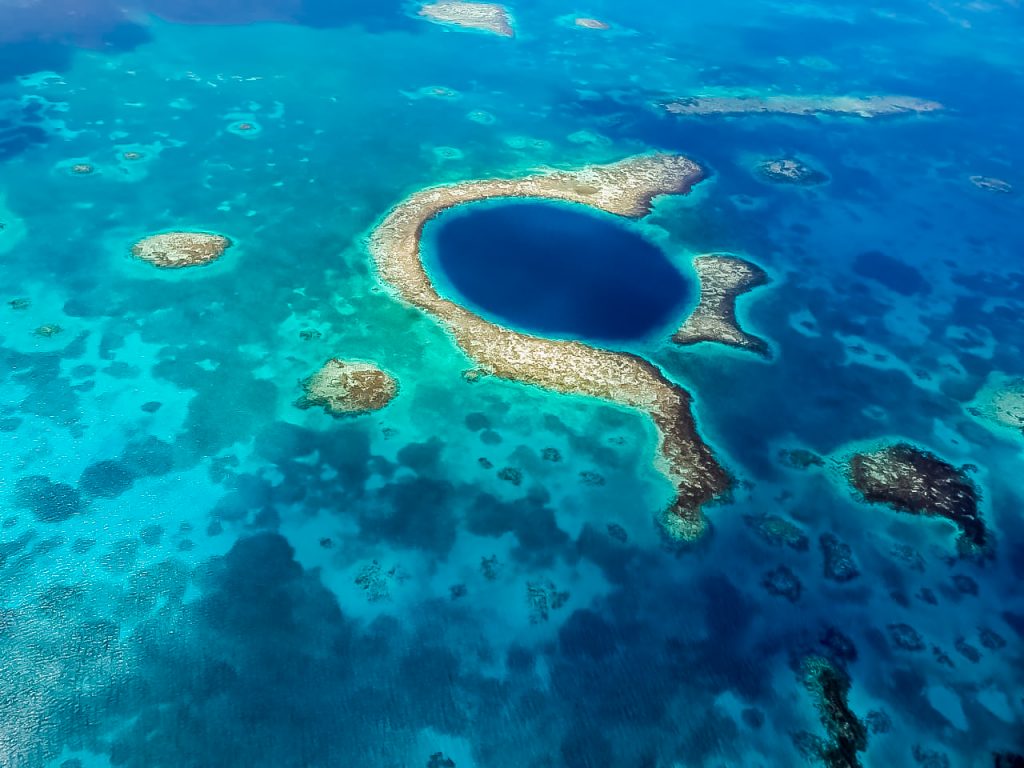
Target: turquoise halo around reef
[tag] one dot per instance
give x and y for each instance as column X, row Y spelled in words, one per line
column 203, row 563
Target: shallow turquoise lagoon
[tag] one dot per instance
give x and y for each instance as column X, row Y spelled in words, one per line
column 196, row 572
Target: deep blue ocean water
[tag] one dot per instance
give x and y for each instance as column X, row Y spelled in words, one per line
column 194, row 572
column 556, row 270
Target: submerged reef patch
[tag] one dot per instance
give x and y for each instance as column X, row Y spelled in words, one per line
column 1001, row 402
column 486, row 17
column 842, row 106
column 347, row 387
column 722, row 280
column 917, row 482
column 625, row 188
column 992, row 184
column 588, row 23
column 789, row 170
column 174, row 250
column 847, row 734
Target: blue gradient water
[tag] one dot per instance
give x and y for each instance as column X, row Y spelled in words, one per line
column 195, row 572
column 556, row 270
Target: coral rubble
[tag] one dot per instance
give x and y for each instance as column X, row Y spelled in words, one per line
column 844, row 106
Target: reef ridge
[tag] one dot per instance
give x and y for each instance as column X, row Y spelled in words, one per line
column 625, row 188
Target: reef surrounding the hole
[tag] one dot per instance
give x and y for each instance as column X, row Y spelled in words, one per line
column 843, row 106
column 912, row 480
column 723, row 279
column 626, row 188
column 485, row 17
column 175, row 250
column 348, row 387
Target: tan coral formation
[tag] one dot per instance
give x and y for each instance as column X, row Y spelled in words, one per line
column 722, row 280
column 591, row 23
column 846, row 106
column 174, row 250
column 348, row 387
column 625, row 188
column 486, row 17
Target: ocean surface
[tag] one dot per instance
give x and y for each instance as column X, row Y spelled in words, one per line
column 556, row 270
column 196, row 572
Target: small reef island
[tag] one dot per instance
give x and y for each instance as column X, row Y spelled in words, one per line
column 842, row 106
column 174, row 250
column 348, row 388
column 789, row 170
column 626, row 188
column 486, row 17
column 722, row 280
column 917, row 482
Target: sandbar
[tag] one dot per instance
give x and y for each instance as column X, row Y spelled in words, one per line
column 486, row 17
column 175, row 250
column 625, row 188
column 844, row 106
column 722, row 280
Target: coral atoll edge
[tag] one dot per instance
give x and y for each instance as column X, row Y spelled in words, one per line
column 625, row 188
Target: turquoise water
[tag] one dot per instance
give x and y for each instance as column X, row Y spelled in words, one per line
column 195, row 572
column 556, row 270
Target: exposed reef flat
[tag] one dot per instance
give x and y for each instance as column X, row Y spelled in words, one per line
column 347, row 387
column 914, row 481
column 847, row 734
column 722, row 280
column 486, row 17
column 845, row 106
column 625, row 188
column 174, row 250
column 588, row 23
column 789, row 170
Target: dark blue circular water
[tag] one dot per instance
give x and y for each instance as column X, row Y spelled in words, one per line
column 558, row 270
